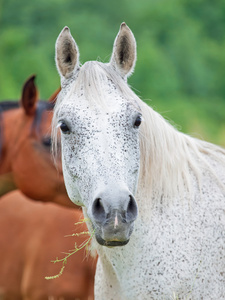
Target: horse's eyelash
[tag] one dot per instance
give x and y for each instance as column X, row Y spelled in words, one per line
column 142, row 119
column 59, row 124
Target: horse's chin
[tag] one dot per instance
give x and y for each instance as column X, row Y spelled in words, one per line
column 113, row 243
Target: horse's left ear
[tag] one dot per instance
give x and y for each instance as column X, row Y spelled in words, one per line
column 29, row 96
column 66, row 55
column 124, row 51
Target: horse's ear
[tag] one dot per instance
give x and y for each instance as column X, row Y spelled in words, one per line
column 66, row 54
column 124, row 51
column 29, row 96
column 53, row 97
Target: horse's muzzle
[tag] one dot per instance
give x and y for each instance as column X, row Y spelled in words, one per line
column 114, row 219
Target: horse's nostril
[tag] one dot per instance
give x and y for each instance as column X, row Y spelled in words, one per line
column 131, row 209
column 98, row 210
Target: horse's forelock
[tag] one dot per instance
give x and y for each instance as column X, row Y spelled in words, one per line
column 93, row 81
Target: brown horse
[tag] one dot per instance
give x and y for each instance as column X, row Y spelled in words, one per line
column 32, row 234
column 26, row 163
column 25, row 136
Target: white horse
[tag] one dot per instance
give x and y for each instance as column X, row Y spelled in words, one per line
column 155, row 197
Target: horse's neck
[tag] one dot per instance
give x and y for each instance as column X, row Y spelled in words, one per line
column 174, row 164
column 8, row 127
column 14, row 132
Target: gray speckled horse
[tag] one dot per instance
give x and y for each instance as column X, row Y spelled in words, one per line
column 154, row 197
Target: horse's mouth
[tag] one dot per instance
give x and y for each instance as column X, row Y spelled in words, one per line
column 112, row 243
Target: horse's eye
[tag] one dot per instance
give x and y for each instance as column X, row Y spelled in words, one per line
column 64, row 128
column 137, row 122
column 47, row 141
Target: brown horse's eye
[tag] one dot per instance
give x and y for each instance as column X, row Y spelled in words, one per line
column 47, row 141
column 137, row 122
column 64, row 128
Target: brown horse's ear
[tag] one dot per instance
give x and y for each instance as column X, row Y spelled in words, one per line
column 29, row 96
column 53, row 97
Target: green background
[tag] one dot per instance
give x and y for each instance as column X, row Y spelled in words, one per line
column 180, row 69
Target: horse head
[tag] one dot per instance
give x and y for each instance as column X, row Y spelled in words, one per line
column 99, row 119
column 26, row 148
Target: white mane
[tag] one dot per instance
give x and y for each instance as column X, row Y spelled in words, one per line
column 169, row 158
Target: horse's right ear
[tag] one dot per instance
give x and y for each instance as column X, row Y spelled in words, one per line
column 66, row 54
column 29, row 96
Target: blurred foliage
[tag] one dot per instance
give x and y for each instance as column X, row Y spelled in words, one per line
column 181, row 52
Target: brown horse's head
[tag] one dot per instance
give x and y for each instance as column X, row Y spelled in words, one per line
column 26, row 148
